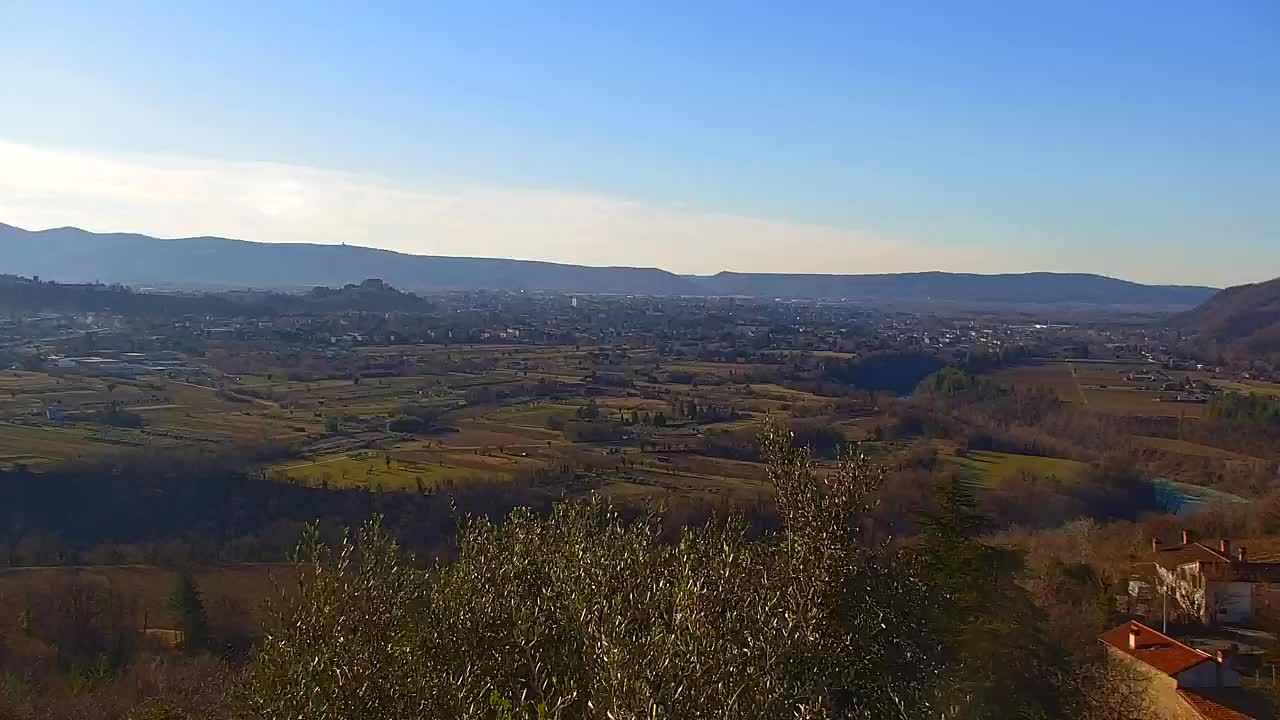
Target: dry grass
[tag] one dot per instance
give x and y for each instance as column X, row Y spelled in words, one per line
column 1055, row 376
column 480, row 434
column 1122, row 401
column 1183, row 447
column 242, row 585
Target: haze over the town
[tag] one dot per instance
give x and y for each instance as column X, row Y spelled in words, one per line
column 1138, row 140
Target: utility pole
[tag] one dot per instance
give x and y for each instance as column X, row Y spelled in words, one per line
column 1164, row 611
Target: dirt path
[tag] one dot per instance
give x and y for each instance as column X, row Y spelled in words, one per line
column 1084, row 400
column 314, row 463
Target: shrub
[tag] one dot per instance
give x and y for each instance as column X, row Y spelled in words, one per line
column 116, row 416
column 584, row 615
column 409, row 424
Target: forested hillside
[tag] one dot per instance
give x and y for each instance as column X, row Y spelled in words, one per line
column 1239, row 321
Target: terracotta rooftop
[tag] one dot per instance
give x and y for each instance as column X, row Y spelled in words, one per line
column 1262, row 561
column 1262, row 549
column 1154, row 648
column 1225, row 704
column 1171, row 556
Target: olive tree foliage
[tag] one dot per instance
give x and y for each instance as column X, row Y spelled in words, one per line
column 1111, row 689
column 582, row 614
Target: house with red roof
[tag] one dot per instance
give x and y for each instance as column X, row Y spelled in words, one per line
column 1214, row 584
column 1181, row 682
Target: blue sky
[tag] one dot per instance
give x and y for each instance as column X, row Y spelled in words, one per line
column 1136, row 139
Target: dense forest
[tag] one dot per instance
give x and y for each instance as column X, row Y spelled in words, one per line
column 1242, row 322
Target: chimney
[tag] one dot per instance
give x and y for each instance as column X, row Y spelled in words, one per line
column 1155, row 544
column 1186, row 537
column 1242, row 554
column 1224, row 546
column 1133, row 636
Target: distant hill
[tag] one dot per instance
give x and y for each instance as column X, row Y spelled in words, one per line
column 74, row 255
column 19, row 294
column 1031, row 288
column 1242, row 320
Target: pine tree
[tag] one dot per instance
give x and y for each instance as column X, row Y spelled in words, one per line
column 1002, row 663
column 188, row 603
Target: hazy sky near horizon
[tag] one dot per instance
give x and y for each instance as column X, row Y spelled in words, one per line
column 1138, row 139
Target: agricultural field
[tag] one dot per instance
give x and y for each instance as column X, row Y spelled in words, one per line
column 726, row 371
column 1110, row 374
column 337, row 430
column 493, row 441
column 536, row 414
column 1249, row 387
column 399, row 468
column 1133, row 402
column 481, row 434
column 1182, row 447
column 1115, row 388
column 494, row 411
column 1056, row 376
column 31, row 447
column 32, row 394
column 52, row 419
column 712, row 480
column 989, row 469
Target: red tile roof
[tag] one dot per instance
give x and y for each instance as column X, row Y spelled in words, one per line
column 1263, row 560
column 1172, row 556
column 1225, row 704
column 1154, row 648
column 1261, row 549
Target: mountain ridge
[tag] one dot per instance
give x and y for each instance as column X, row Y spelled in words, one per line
column 1243, row 320
column 71, row 254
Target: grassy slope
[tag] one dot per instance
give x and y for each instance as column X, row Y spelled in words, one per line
column 989, row 469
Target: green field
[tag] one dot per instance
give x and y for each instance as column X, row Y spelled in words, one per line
column 410, row 464
column 369, row 470
column 989, row 468
column 1249, row 387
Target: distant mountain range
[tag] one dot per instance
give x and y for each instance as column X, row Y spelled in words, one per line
column 1241, row 321
column 74, row 255
column 1031, row 288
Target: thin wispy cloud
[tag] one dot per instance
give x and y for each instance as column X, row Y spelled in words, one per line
column 176, row 197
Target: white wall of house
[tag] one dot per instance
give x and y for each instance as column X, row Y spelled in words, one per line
column 1232, row 602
